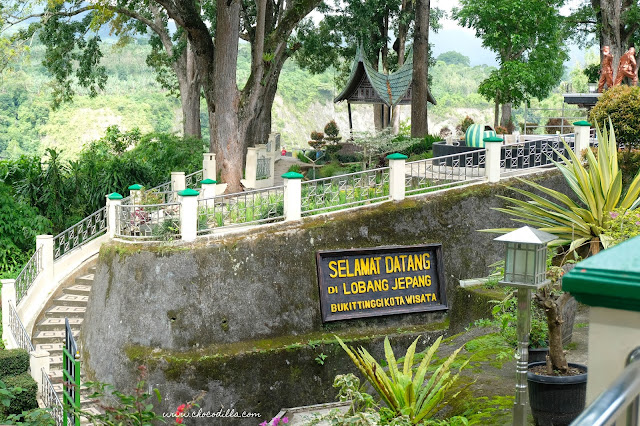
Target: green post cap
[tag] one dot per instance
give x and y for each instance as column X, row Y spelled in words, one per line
column 492, row 139
column 292, row 175
column 135, row 187
column 114, row 196
column 188, row 193
column 582, row 123
column 207, row 181
column 610, row 279
column 396, row 156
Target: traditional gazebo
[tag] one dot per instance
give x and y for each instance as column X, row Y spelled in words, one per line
column 368, row 86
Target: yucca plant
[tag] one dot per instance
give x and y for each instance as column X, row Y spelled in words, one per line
column 405, row 393
column 598, row 187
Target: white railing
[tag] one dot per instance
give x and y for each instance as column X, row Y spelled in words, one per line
column 20, row 335
column 51, row 399
column 28, row 275
column 339, row 192
column 148, row 221
column 80, row 233
column 443, row 172
column 258, row 206
column 535, row 153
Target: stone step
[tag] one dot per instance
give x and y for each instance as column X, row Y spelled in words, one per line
column 56, row 377
column 66, row 311
column 78, row 289
column 51, row 336
column 53, row 324
column 57, row 387
column 92, row 269
column 54, row 349
column 71, row 300
column 85, row 279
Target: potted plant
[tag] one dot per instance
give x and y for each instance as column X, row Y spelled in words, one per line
column 593, row 75
column 582, row 226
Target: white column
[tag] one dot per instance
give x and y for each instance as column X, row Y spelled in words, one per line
column 396, row 176
column 113, row 200
column 178, row 181
column 135, row 191
column 38, row 360
column 209, row 166
column 8, row 296
column 188, row 214
column 208, row 188
column 292, row 196
column 45, row 242
column 251, row 168
column 492, row 162
column 582, row 129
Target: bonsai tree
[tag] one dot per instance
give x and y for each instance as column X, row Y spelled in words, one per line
column 317, row 140
column 582, row 225
column 332, row 139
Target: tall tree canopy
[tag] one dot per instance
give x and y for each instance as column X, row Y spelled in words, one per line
column 529, row 40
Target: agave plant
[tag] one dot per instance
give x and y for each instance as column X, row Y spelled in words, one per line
column 598, row 188
column 406, row 393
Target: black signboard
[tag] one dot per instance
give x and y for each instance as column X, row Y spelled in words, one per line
column 380, row 281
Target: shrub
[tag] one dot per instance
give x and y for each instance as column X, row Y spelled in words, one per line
column 461, row 128
column 501, row 130
column 24, row 400
column 331, row 129
column 13, row 362
column 622, row 105
column 295, row 168
column 317, row 136
column 592, row 72
column 421, row 146
column 555, row 125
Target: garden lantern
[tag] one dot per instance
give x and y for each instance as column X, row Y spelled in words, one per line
column 525, row 268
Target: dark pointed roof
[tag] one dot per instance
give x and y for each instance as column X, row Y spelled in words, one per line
column 366, row 85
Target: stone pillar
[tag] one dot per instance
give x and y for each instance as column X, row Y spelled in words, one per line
column 178, row 181
column 492, row 162
column 251, row 168
column 582, row 129
column 396, row 176
column 135, row 191
column 188, row 214
column 292, row 196
column 8, row 297
column 208, row 188
column 38, row 360
column 113, row 200
column 45, row 243
column 209, row 166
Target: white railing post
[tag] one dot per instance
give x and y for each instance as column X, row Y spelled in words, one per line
column 38, row 360
column 8, row 296
column 583, row 130
column 188, row 214
column 208, row 188
column 396, row 176
column 251, row 168
column 45, row 243
column 178, row 181
column 114, row 199
column 492, row 162
column 209, row 166
column 135, row 191
column 292, row 196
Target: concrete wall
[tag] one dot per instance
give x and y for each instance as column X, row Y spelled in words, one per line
column 257, row 292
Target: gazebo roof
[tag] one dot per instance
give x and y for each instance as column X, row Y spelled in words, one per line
column 366, row 85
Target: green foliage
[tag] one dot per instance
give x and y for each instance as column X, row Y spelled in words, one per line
column 620, row 104
column 24, row 394
column 592, row 72
column 331, row 129
column 505, row 314
column 422, row 146
column 406, row 393
column 598, row 187
column 13, row 362
column 461, row 128
column 621, row 225
column 454, row 58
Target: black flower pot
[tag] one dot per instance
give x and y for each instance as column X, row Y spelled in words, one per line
column 556, row 400
column 538, row 354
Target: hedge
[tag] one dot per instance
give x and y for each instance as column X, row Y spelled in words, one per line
column 25, row 400
column 13, row 362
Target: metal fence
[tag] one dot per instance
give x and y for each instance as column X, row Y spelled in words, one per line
column 338, row 192
column 148, row 221
column 257, row 206
column 20, row 335
column 51, row 399
column 80, row 233
column 193, row 180
column 263, row 170
column 444, row 172
column 28, row 275
column 535, row 153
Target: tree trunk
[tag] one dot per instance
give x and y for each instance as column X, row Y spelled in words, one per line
column 496, row 113
column 401, row 40
column 506, row 114
column 614, row 32
column 553, row 310
column 420, row 89
column 189, row 85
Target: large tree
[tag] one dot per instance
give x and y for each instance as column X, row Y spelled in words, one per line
column 528, row 39
column 420, row 77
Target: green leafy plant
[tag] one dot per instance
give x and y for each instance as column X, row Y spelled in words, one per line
column 406, row 393
column 461, row 128
column 592, row 72
column 622, row 225
column 621, row 106
column 598, row 188
column 320, row 358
